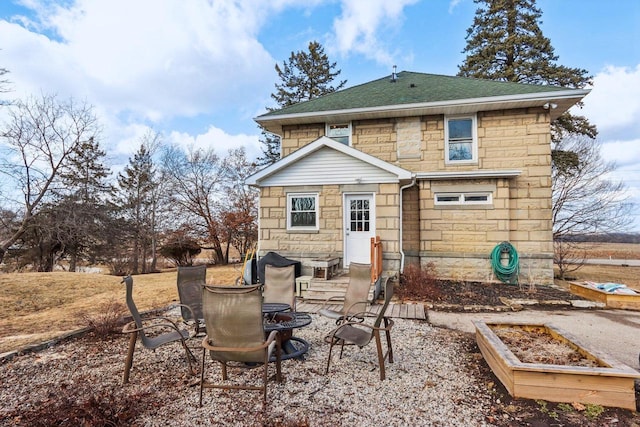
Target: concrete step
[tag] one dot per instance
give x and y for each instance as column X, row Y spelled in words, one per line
column 321, row 290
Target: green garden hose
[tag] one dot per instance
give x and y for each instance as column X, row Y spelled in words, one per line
column 506, row 273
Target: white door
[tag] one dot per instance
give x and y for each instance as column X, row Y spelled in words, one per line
column 359, row 228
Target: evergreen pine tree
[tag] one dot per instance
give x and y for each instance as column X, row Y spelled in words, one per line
column 304, row 76
column 137, row 183
column 505, row 43
column 82, row 201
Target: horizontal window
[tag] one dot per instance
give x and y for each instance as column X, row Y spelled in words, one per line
column 483, row 198
column 302, row 211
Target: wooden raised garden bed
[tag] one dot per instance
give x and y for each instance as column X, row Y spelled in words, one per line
column 611, row 300
column 561, row 368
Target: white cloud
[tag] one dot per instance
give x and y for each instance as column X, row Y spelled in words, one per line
column 150, row 59
column 453, row 4
column 623, row 153
column 219, row 140
column 358, row 28
column 614, row 101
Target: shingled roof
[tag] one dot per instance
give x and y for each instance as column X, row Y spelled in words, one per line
column 419, row 93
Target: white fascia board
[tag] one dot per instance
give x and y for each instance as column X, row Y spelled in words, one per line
column 324, row 141
column 480, row 102
column 469, row 174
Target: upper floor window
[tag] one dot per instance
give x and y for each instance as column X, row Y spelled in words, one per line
column 302, row 211
column 461, row 144
column 340, row 132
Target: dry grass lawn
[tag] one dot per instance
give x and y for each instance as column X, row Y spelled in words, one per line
column 40, row 306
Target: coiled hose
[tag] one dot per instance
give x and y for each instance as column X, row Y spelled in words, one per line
column 506, row 273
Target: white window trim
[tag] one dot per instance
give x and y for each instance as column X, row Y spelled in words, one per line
column 327, row 133
column 462, row 198
column 474, row 138
column 303, row 228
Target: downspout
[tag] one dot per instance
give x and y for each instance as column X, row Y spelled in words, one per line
column 413, row 182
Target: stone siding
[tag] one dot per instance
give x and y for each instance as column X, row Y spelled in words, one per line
column 459, row 238
column 328, row 240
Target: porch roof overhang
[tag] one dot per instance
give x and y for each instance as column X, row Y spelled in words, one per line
column 477, row 174
column 399, row 174
column 556, row 102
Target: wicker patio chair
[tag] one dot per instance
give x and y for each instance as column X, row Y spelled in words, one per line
column 356, row 297
column 280, row 285
column 235, row 336
column 362, row 333
column 141, row 327
column 190, row 282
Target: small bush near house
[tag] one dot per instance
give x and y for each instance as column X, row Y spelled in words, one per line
column 419, row 283
column 106, row 319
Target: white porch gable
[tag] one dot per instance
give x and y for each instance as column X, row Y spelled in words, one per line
column 325, row 162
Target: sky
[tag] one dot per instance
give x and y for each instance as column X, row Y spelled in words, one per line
column 199, row 71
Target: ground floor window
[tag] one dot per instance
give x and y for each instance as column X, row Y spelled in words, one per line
column 302, row 211
column 472, row 198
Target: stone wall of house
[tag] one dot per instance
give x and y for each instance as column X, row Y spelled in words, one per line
column 295, row 137
column 459, row 240
column 328, row 240
column 411, row 220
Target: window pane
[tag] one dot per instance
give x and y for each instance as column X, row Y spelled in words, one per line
column 448, row 198
column 303, row 219
column 476, row 197
column 302, row 203
column 460, row 129
column 339, row 133
column 460, row 151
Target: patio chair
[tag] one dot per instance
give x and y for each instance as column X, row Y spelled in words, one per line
column 141, row 327
column 280, row 285
column 361, row 333
column 190, row 282
column 356, row 297
column 236, row 337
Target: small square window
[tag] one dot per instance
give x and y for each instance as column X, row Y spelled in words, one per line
column 302, row 211
column 339, row 132
column 460, row 140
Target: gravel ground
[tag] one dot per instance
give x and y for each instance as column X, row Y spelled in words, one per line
column 80, row 382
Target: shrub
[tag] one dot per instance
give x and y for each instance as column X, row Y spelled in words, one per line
column 420, row 284
column 107, row 318
column 81, row 406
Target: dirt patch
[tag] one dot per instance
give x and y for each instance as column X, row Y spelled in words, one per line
column 536, row 346
column 456, row 295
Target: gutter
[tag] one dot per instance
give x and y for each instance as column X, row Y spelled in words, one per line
column 404, row 187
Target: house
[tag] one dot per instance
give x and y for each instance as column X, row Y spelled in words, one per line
column 442, row 168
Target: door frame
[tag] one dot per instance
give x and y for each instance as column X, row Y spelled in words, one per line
column 345, row 221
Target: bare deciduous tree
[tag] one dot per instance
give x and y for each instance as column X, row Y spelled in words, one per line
column 209, row 193
column 585, row 200
column 194, row 181
column 39, row 137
